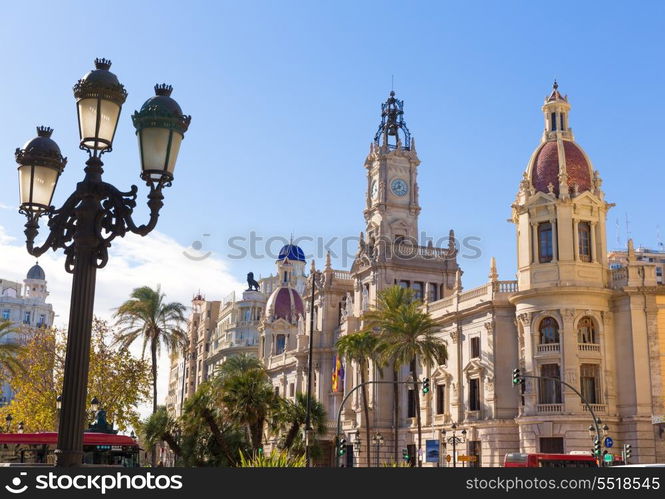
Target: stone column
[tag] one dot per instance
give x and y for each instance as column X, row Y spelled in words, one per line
column 569, row 363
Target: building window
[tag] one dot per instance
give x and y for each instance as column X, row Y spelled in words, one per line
column 549, row 331
column 404, row 284
column 584, row 238
column 292, row 389
column 475, row 347
column 277, row 391
column 589, row 383
column 553, row 121
column 433, row 288
column 586, row 332
column 5, row 315
column 474, row 394
column 550, row 389
column 417, row 290
column 545, row 249
column 411, row 404
column 42, row 320
column 280, row 344
column 26, row 317
column 551, row 445
column 286, row 277
column 440, row 399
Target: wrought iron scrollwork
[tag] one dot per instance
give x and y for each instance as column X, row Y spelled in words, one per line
column 94, row 215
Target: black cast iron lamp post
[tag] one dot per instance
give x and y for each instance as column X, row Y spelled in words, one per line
column 455, row 440
column 378, row 441
column 94, row 214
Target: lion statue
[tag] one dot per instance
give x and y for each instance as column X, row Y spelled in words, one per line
column 253, row 285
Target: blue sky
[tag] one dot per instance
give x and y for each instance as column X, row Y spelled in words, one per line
column 285, row 99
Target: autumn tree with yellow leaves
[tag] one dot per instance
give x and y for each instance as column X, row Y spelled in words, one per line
column 119, row 380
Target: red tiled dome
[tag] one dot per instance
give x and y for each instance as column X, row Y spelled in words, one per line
column 545, row 168
column 285, row 303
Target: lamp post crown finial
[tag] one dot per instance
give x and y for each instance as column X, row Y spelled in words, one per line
column 102, row 63
column 163, row 89
column 44, row 131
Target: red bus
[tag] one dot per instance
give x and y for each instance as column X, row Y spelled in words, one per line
column 102, row 449
column 536, row 460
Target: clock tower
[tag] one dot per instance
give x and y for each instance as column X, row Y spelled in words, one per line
column 392, row 207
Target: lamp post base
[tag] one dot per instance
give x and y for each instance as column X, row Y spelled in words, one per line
column 68, row 458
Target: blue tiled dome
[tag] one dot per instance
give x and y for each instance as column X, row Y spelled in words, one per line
column 292, row 252
column 36, row 272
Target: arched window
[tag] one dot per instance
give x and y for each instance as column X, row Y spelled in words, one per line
column 549, row 331
column 586, row 332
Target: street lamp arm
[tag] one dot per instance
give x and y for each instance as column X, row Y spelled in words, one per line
column 118, row 207
column 94, row 214
column 61, row 224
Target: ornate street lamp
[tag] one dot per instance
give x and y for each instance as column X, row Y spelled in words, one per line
column 94, row 214
column 58, row 402
column 310, row 356
column 8, row 419
column 378, row 441
column 454, row 440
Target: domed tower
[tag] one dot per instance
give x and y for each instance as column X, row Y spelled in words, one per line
column 564, row 303
column 284, row 319
column 560, row 211
column 35, row 283
column 291, row 267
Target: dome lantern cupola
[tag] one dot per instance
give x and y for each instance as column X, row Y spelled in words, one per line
column 555, row 109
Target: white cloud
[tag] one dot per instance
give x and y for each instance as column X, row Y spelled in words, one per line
column 134, row 261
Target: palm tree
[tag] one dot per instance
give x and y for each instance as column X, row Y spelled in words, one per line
column 238, row 364
column 9, row 350
column 359, row 348
column 248, row 398
column 295, row 414
column 407, row 334
column 145, row 315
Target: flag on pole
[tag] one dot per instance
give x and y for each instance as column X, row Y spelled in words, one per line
column 338, row 375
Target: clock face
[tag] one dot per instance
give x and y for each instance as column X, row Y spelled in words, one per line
column 399, row 187
column 374, row 189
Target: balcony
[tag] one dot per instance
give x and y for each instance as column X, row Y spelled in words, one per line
column 588, row 347
column 545, row 348
column 549, row 408
column 597, row 408
column 472, row 415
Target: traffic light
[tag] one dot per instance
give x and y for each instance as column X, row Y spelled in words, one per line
column 517, row 377
column 405, row 454
column 341, row 447
column 627, row 452
column 596, row 446
column 425, row 385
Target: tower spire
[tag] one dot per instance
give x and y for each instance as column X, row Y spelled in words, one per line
column 393, row 132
